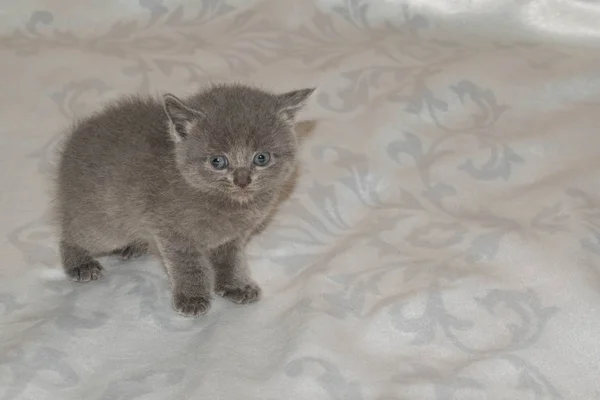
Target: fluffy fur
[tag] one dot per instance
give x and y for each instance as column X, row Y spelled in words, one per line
column 141, row 174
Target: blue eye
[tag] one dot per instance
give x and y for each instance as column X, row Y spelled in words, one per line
column 219, row 162
column 262, row 159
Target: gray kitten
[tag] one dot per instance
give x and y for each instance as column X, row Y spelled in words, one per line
column 189, row 179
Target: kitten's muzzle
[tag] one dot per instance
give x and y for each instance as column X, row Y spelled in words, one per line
column 241, row 177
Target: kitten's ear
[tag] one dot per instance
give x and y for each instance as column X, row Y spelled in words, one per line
column 181, row 117
column 291, row 102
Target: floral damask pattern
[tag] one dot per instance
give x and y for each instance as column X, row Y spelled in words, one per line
column 442, row 240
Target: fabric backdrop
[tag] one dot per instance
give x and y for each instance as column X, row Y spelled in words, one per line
column 442, row 241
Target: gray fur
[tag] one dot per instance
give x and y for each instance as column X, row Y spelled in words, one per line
column 138, row 175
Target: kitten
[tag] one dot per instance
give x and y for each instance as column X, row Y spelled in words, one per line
column 191, row 179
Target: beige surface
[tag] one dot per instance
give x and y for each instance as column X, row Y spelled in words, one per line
column 443, row 241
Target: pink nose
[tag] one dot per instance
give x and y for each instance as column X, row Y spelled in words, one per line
column 241, row 178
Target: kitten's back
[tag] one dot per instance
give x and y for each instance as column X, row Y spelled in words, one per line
column 109, row 157
column 117, row 138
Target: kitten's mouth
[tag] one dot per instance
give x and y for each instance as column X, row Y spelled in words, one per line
column 242, row 195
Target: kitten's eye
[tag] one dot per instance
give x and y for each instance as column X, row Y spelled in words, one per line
column 262, row 159
column 219, row 162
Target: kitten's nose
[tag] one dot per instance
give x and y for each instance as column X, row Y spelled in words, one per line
column 241, row 177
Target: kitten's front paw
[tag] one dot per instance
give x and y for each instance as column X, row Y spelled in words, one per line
column 190, row 306
column 89, row 271
column 242, row 294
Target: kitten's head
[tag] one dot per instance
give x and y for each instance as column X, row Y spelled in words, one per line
column 234, row 140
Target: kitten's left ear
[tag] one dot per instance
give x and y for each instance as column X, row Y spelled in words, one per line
column 181, row 117
column 291, row 102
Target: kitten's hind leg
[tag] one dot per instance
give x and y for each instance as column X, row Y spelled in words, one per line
column 78, row 263
column 131, row 251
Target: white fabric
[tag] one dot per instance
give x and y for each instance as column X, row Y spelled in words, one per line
column 442, row 242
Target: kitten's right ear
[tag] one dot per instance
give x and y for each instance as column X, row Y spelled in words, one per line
column 181, row 117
